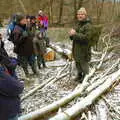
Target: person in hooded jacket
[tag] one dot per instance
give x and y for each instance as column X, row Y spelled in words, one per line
column 23, row 45
column 10, row 89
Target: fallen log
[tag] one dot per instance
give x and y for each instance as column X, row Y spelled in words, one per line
column 62, row 51
column 88, row 100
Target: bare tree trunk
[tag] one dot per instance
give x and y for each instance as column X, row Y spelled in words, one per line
column 99, row 10
column 75, row 9
column 80, row 4
column 61, row 11
column 113, row 11
column 22, row 5
column 51, row 11
column 117, row 8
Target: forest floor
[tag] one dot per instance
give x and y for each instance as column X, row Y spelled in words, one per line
column 55, row 91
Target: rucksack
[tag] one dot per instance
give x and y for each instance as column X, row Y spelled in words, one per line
column 11, row 26
column 10, row 30
column 95, row 34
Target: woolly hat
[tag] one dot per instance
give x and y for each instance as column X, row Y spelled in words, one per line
column 19, row 18
column 40, row 12
column 82, row 10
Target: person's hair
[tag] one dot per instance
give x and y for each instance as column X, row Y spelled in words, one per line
column 82, row 10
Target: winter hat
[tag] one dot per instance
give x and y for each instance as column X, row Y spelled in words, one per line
column 40, row 12
column 19, row 18
column 82, row 10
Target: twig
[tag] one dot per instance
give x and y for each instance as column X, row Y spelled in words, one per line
column 111, row 106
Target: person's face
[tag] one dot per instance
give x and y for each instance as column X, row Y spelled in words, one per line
column 33, row 21
column 23, row 21
column 41, row 13
column 81, row 16
column 28, row 20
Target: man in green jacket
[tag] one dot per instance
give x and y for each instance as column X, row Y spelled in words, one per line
column 80, row 35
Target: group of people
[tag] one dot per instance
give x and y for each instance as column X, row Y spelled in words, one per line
column 30, row 41
column 28, row 35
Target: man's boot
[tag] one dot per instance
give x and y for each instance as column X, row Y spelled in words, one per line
column 82, row 78
column 78, row 78
column 39, row 65
column 44, row 65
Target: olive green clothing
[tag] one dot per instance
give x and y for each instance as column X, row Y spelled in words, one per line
column 81, row 46
column 39, row 44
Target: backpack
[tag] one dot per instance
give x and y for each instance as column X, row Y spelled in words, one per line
column 10, row 30
column 11, row 26
column 95, row 34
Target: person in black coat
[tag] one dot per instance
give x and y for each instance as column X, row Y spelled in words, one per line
column 10, row 89
column 23, row 45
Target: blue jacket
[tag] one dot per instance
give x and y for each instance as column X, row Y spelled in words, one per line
column 10, row 88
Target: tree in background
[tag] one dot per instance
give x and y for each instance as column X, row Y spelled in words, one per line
column 60, row 11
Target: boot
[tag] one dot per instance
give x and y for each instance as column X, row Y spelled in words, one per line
column 44, row 65
column 79, row 78
column 82, row 78
column 39, row 66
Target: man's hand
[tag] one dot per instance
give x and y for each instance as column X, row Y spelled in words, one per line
column 72, row 32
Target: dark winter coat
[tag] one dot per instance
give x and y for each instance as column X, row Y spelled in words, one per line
column 10, row 88
column 23, row 41
column 81, row 47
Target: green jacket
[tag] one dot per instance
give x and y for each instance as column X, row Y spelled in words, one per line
column 39, row 44
column 81, row 47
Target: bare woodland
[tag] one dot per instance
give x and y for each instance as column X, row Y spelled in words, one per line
column 63, row 11
column 57, row 96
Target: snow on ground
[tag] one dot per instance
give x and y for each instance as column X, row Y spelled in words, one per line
column 57, row 90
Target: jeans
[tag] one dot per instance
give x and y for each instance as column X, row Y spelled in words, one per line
column 13, row 118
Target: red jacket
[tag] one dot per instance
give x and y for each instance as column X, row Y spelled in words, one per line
column 43, row 20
